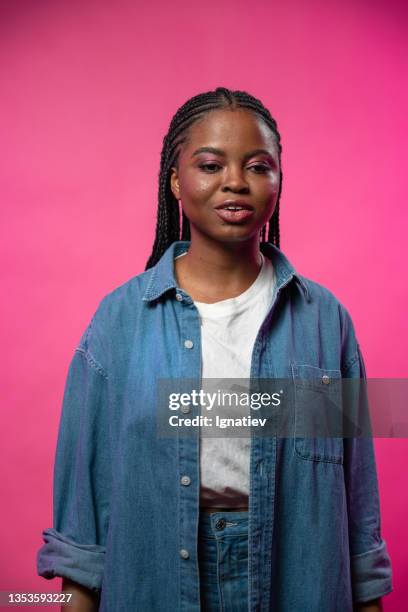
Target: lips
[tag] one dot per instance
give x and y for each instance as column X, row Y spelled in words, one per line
column 234, row 205
column 234, row 211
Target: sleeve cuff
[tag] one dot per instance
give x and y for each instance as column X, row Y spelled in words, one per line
column 61, row 556
column 371, row 574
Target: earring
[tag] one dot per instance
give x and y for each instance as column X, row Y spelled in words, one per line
column 180, row 217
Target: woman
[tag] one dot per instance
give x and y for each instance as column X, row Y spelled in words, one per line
column 148, row 522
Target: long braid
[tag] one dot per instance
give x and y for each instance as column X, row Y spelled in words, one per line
column 168, row 215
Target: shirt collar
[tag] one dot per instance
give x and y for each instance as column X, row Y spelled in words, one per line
column 163, row 279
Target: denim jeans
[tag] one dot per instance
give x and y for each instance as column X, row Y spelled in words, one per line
column 223, row 561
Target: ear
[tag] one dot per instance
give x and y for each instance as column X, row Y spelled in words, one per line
column 174, row 183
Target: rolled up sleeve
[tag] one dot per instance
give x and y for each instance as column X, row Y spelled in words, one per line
column 60, row 556
column 75, row 546
column 371, row 573
column 371, row 570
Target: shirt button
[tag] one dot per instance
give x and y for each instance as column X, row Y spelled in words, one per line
column 185, row 480
column 325, row 379
column 184, row 553
column 188, row 344
column 179, row 297
column 185, row 409
column 220, row 524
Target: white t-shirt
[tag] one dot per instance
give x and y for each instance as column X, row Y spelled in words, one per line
column 228, row 332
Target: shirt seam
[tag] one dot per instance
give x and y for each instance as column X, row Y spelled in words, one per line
column 92, row 361
column 353, row 359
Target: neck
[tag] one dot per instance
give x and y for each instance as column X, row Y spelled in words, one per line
column 213, row 270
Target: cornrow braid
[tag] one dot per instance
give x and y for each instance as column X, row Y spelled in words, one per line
column 170, row 227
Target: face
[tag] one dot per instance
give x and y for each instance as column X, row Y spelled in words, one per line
column 230, row 160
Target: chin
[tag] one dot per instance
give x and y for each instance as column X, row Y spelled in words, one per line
column 235, row 235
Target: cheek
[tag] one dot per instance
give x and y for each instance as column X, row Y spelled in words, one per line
column 197, row 187
column 271, row 187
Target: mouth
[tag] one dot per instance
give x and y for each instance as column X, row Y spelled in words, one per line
column 234, row 205
column 234, row 211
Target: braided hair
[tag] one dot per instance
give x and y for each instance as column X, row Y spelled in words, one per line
column 168, row 215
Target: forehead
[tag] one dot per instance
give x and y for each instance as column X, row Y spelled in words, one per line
column 238, row 129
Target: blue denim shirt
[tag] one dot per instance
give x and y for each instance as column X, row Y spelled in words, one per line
column 124, row 520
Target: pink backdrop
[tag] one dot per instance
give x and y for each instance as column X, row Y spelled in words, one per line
column 88, row 90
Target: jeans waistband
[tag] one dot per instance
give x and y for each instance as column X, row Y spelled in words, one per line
column 219, row 524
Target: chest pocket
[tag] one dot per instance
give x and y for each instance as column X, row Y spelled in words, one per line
column 318, row 413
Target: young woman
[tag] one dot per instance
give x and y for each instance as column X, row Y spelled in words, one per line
column 144, row 522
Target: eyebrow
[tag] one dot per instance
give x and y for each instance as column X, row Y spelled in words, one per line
column 220, row 152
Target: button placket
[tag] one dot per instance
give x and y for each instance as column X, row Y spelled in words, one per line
column 188, row 456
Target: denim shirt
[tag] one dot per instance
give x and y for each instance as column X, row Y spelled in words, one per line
column 125, row 519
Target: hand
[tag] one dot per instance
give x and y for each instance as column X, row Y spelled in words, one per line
column 83, row 600
column 375, row 605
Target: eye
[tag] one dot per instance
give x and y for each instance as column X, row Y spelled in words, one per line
column 260, row 168
column 211, row 167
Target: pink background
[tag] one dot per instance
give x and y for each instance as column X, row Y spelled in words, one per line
column 88, row 90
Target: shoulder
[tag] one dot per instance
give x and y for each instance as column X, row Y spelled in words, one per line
column 116, row 314
column 127, row 295
column 326, row 307
column 322, row 297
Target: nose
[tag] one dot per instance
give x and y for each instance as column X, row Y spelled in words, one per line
column 235, row 180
